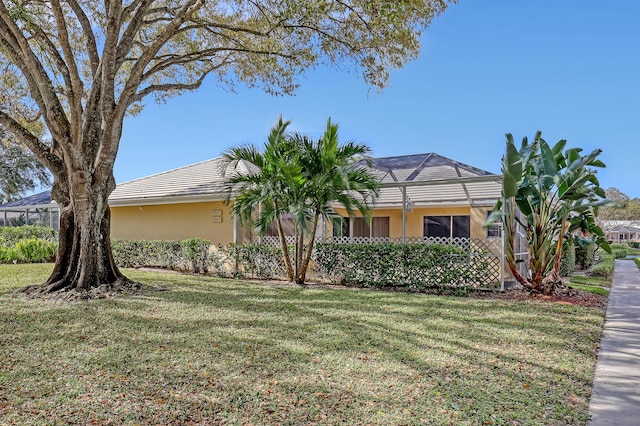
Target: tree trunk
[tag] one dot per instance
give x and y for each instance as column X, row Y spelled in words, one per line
column 285, row 250
column 302, row 276
column 84, row 263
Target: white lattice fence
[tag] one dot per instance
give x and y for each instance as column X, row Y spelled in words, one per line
column 480, row 264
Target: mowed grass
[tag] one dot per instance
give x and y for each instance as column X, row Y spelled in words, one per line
column 212, row 351
column 595, row 285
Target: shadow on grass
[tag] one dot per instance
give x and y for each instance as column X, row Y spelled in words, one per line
column 233, row 351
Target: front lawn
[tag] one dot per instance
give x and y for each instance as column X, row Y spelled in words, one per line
column 199, row 350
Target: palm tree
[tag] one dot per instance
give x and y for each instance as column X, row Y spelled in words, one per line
column 335, row 174
column 297, row 177
column 550, row 194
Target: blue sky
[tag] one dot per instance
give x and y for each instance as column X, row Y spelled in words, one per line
column 569, row 68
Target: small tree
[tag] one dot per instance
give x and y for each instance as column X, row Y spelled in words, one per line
column 20, row 170
column 302, row 179
column 550, row 194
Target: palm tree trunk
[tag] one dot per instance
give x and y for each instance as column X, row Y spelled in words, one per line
column 285, row 251
column 302, row 274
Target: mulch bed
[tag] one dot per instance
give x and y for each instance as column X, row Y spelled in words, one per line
column 570, row 297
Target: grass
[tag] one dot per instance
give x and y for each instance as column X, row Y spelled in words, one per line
column 211, row 351
column 592, row 284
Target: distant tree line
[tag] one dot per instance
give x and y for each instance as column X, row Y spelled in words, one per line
column 626, row 208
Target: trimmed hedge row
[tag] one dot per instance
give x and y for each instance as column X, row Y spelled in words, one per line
column 407, row 266
column 10, row 235
column 604, row 266
column 381, row 265
column 187, row 254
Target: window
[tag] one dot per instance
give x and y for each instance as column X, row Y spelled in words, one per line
column 447, row 226
column 287, row 227
column 377, row 228
column 340, row 227
column 494, row 230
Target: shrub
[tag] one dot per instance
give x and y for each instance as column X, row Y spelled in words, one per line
column 196, row 252
column 568, row 261
column 155, row 253
column 604, row 266
column 35, row 250
column 407, row 266
column 7, row 255
column 9, row 236
column 585, row 256
column 619, row 251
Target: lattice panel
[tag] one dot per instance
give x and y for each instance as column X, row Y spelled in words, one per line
column 479, row 266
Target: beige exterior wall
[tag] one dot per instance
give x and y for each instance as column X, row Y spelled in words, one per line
column 415, row 219
column 173, row 222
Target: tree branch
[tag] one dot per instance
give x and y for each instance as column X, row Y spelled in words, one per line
column 76, row 89
column 41, row 151
column 40, row 84
column 89, row 37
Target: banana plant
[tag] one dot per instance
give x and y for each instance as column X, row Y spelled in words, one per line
column 548, row 194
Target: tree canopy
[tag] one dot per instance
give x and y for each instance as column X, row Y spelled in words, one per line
column 623, row 208
column 77, row 67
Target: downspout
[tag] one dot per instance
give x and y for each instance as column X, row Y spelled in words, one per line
column 404, row 214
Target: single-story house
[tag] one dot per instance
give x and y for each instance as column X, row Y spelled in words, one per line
column 622, row 233
column 422, row 195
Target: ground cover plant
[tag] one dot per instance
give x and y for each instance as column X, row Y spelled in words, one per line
column 193, row 349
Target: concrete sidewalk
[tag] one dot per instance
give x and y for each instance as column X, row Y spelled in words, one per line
column 615, row 399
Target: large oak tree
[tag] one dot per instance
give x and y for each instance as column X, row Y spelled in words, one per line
column 79, row 67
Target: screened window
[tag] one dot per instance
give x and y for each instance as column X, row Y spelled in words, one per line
column 447, row 226
column 494, row 230
column 377, row 228
column 340, row 227
column 287, row 227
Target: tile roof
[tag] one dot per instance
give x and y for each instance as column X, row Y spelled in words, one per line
column 204, row 181
column 200, row 181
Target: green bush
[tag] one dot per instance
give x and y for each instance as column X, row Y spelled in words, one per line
column 620, row 251
column 196, row 252
column 604, row 266
column 407, row 266
column 568, row 261
column 155, row 254
column 585, row 256
column 35, row 250
column 7, row 255
column 9, row 235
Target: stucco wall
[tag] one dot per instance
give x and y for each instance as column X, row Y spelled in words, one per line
column 173, row 222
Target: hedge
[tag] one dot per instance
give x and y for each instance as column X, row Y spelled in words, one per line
column 10, row 235
column 382, row 265
column 585, row 256
column 27, row 244
column 406, row 266
column 604, row 266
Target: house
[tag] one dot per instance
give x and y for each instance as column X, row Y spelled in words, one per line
column 422, row 195
column 622, row 232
